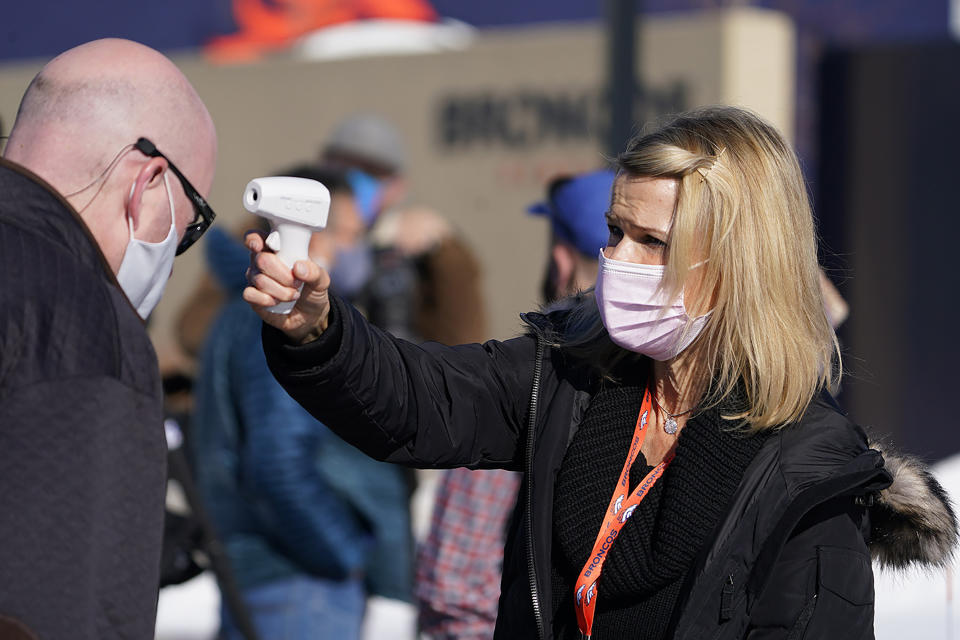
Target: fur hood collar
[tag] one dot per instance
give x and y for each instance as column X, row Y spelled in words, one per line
column 912, row 520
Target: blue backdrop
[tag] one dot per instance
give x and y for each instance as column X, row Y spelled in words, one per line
column 43, row 28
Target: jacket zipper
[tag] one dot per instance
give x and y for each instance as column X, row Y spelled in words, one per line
column 531, row 429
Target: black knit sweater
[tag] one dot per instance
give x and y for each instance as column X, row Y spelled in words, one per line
column 641, row 580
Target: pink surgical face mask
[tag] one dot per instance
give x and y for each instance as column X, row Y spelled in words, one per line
column 638, row 316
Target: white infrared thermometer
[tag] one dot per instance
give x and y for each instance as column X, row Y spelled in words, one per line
column 296, row 208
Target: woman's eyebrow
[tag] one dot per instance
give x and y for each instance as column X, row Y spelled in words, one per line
column 654, row 230
column 663, row 233
column 614, row 218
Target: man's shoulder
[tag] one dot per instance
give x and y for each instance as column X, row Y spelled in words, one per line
column 36, row 218
column 61, row 316
column 41, row 274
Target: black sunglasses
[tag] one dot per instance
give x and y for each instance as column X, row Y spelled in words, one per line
column 204, row 214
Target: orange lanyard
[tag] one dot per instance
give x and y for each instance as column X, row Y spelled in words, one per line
column 618, row 512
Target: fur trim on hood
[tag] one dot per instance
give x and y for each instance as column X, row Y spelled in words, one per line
column 912, row 521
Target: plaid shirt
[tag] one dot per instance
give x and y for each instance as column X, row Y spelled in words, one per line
column 457, row 582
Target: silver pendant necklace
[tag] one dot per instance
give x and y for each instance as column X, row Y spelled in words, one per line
column 670, row 424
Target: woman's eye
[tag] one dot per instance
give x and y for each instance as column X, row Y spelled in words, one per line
column 653, row 241
column 615, row 234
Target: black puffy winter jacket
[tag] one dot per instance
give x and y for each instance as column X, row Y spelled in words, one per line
column 790, row 559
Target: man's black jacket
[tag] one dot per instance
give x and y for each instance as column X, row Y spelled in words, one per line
column 789, row 560
column 82, row 448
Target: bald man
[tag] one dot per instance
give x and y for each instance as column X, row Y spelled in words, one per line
column 102, row 184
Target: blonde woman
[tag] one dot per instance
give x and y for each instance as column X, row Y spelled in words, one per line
column 687, row 474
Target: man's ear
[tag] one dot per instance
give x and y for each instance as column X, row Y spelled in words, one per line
column 148, row 176
column 585, row 275
column 564, row 263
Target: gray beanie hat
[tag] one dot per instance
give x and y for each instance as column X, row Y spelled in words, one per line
column 370, row 138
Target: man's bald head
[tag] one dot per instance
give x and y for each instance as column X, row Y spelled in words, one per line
column 91, row 103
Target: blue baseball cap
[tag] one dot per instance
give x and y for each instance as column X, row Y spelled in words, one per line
column 576, row 208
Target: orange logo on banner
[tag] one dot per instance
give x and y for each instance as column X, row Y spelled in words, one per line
column 265, row 25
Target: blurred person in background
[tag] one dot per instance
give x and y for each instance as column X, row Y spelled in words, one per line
column 834, row 305
column 704, row 354
column 311, row 525
column 94, row 210
column 458, row 568
column 424, row 281
column 403, row 265
column 575, row 207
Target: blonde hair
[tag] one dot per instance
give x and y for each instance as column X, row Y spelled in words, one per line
column 742, row 207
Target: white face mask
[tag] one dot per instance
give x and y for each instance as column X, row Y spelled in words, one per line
column 638, row 316
column 146, row 266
